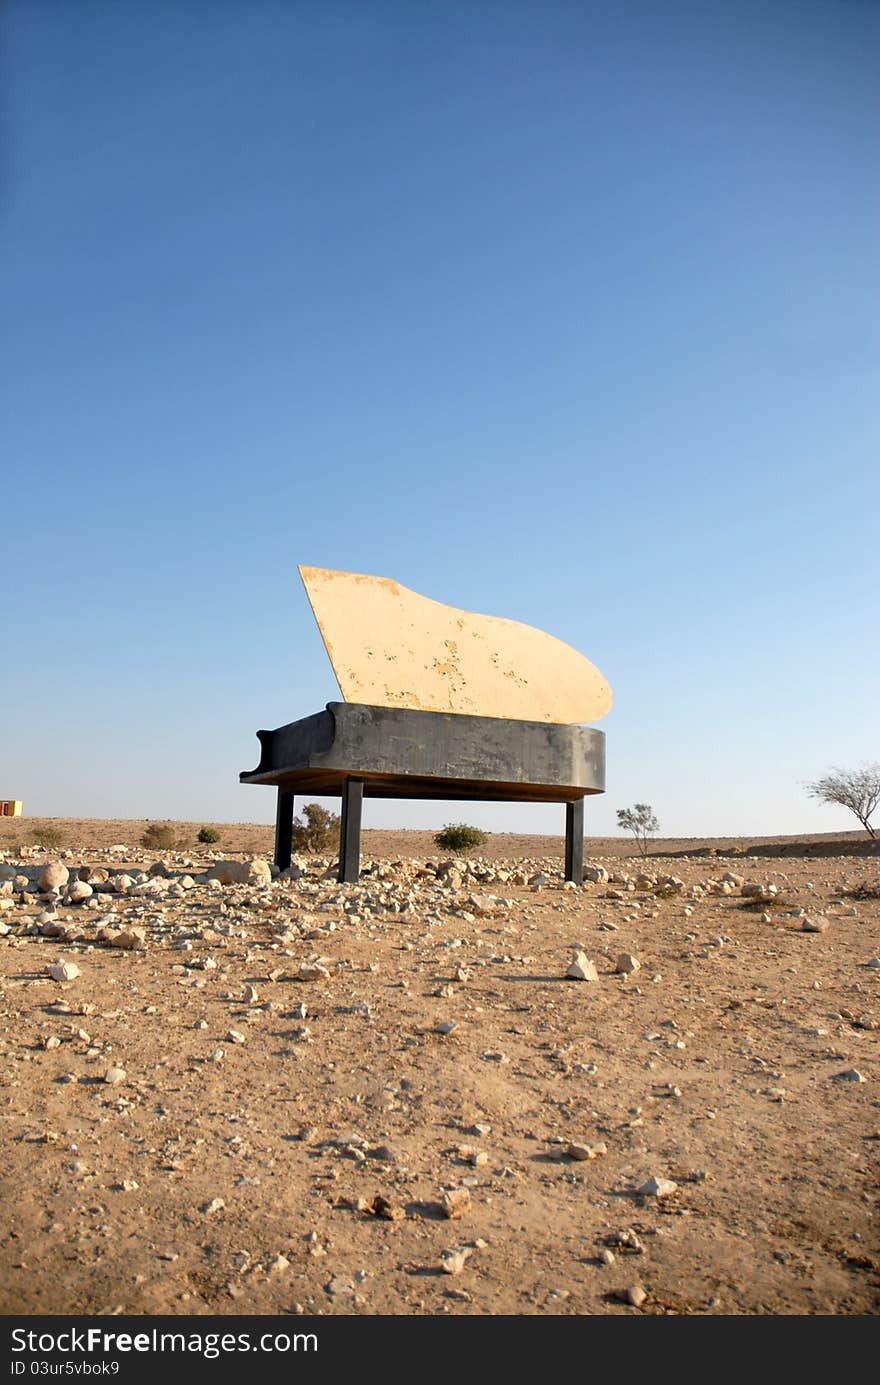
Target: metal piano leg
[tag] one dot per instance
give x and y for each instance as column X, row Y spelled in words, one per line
column 574, row 841
column 283, row 828
column 350, row 830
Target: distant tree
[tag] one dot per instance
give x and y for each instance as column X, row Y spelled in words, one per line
column 855, row 789
column 316, row 830
column 209, row 835
column 641, row 821
column 458, row 836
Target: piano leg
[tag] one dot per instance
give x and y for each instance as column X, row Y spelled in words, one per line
column 574, row 841
column 350, row 830
column 283, row 828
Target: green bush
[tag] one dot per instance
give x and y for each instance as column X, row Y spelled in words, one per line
column 48, row 837
column 458, row 836
column 316, row 830
column 159, row 836
column 208, row 836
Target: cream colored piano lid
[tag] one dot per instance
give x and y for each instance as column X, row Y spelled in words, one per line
column 391, row 647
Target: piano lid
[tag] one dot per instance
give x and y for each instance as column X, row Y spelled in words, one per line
column 392, row 647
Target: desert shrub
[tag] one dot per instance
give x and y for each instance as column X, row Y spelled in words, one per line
column 48, row 837
column 866, row 890
column 780, row 902
column 458, row 836
column 315, row 830
column 158, row 836
column 208, row 836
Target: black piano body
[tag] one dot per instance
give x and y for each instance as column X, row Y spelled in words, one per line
column 357, row 751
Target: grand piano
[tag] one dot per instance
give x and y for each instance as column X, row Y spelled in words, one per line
column 357, row 751
column 410, row 659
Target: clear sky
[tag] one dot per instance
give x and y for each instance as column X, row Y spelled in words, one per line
column 562, row 311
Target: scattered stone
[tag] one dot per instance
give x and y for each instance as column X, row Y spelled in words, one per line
column 53, row 876
column 657, row 1187
column 63, row 971
column 129, row 939
column 627, row 1241
column 606, row 1256
column 583, row 1152
column 79, row 891
column 115, row 1075
column 235, row 1036
column 278, row 1264
column 340, row 1288
column 634, row 1295
column 256, row 872
column 598, row 875
column 811, row 925
column 227, row 872
column 848, row 1075
column 445, row 1027
column 627, row 964
column 454, row 1261
column 215, row 1205
column 455, row 1203
column 581, row 968
column 312, row 971
column 385, row 1210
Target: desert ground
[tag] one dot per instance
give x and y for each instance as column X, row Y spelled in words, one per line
column 257, row 1095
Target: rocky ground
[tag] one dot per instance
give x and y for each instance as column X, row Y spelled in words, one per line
column 232, row 1093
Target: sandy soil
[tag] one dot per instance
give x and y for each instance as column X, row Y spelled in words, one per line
column 288, row 1148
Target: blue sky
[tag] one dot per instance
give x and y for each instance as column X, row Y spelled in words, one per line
column 565, row 312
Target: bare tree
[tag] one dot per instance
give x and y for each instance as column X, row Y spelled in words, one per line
column 855, row 789
column 639, row 820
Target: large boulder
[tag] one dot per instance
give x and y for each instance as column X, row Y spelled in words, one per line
column 53, row 876
column 257, row 872
column 254, row 872
column 226, row 872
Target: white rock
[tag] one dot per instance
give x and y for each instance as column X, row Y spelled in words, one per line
column 627, row 963
column 454, row 1261
column 658, row 1187
column 581, row 968
column 227, row 872
column 79, row 891
column 256, row 872
column 811, row 925
column 53, row 876
column 848, row 1075
column 115, row 1075
column 63, row 971
column 313, row 971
